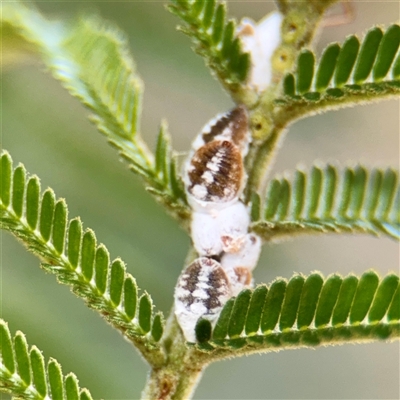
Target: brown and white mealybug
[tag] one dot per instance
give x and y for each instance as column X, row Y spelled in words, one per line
column 214, row 172
column 202, row 290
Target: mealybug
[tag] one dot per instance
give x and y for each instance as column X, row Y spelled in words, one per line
column 202, row 290
column 261, row 40
column 214, row 173
column 239, row 265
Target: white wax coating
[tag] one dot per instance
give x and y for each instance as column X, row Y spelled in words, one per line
column 261, row 40
column 221, row 230
column 234, row 223
column 205, row 234
column 247, row 257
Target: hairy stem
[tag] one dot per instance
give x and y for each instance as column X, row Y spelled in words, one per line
column 178, row 377
column 168, row 383
column 260, row 161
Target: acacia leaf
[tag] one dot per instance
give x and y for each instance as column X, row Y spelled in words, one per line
column 79, row 262
column 307, row 312
column 356, row 71
column 27, row 377
column 214, row 39
column 92, row 60
column 327, row 199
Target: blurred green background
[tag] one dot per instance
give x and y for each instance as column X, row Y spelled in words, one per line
column 47, row 130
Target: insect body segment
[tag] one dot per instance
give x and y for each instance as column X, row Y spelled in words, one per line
column 214, row 177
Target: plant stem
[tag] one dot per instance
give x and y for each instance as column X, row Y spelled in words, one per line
column 260, row 162
column 166, row 383
column 178, row 377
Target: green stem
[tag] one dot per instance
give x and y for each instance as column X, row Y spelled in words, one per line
column 178, row 377
column 301, row 108
column 260, row 161
column 169, row 384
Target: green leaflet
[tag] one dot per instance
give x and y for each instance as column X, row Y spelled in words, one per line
column 130, row 297
column 79, row 262
column 305, row 71
column 354, row 200
column 23, row 372
column 166, row 172
column 18, row 190
column 305, row 312
column 239, row 313
column 32, row 201
column 71, row 387
column 203, row 330
column 158, row 326
column 38, row 371
column 345, row 74
column 214, row 39
column 145, row 307
column 22, row 358
column 55, row 379
column 92, row 61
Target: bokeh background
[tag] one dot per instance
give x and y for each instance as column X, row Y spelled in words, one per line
column 48, row 130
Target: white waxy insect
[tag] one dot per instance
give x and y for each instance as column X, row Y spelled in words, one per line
column 214, row 173
column 246, row 257
column 205, row 233
column 202, row 291
column 234, row 223
column 239, row 265
column 220, row 231
column 239, row 278
column 261, row 40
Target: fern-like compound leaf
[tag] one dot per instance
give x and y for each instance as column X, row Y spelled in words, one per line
column 354, row 200
column 92, row 61
column 204, row 21
column 165, row 168
column 305, row 312
column 357, row 70
column 77, row 260
column 23, row 372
